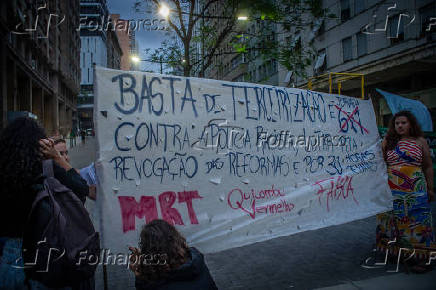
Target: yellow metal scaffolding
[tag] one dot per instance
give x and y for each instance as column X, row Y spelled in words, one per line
column 339, row 78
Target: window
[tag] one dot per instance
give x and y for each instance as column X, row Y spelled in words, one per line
column 362, row 48
column 269, row 67
column 274, row 65
column 359, row 6
column 345, row 10
column 396, row 29
column 320, row 63
column 318, row 27
column 347, row 49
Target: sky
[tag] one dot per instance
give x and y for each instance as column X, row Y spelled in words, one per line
column 146, row 39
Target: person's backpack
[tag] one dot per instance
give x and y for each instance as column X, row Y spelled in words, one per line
column 66, row 252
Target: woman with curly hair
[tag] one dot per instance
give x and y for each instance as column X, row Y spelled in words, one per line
column 164, row 260
column 23, row 146
column 410, row 177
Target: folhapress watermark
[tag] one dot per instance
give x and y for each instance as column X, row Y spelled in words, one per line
column 221, row 135
column 133, row 25
column 105, row 257
column 44, row 21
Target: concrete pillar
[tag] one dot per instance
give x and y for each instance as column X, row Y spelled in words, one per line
column 43, row 93
column 50, row 112
column 12, row 87
column 68, row 119
column 30, row 93
column 37, row 102
column 377, row 111
column 24, row 92
column 3, row 86
column 62, row 117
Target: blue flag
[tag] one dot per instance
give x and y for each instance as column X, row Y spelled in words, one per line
column 419, row 110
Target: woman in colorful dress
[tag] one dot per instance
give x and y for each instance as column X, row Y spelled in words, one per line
column 410, row 174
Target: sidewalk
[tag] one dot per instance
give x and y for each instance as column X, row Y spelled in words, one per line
column 82, row 155
column 397, row 281
column 76, row 142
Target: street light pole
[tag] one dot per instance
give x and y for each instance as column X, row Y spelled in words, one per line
column 161, row 62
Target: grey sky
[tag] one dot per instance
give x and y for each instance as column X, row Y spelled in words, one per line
column 146, row 39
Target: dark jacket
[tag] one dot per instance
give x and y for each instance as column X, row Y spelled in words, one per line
column 194, row 274
column 70, row 179
column 16, row 209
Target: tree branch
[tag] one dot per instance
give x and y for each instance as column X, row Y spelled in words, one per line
column 180, row 15
column 205, row 7
column 223, row 34
column 172, row 25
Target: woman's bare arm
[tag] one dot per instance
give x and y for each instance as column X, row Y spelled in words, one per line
column 427, row 167
column 384, row 143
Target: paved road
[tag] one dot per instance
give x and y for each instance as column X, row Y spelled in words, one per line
column 327, row 257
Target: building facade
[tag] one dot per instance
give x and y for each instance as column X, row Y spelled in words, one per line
column 229, row 65
column 94, row 18
column 392, row 44
column 134, row 50
column 125, row 40
column 114, row 51
column 39, row 61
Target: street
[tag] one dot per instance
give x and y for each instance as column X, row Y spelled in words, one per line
column 326, row 257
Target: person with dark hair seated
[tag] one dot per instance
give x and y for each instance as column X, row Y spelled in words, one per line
column 164, row 260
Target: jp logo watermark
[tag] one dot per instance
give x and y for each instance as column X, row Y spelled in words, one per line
column 53, row 20
column 392, row 20
column 404, row 255
column 53, row 255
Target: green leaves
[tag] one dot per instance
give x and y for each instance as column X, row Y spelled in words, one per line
column 240, row 47
column 215, row 33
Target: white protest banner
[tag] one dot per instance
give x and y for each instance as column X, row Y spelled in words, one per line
column 231, row 163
